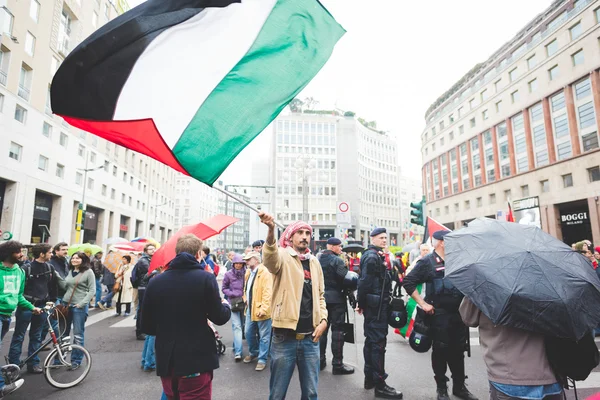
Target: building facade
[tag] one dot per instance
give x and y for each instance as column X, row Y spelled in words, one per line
column 43, row 160
column 338, row 173
column 522, row 127
column 410, row 191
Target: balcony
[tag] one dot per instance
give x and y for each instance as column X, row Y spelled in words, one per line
column 3, row 78
column 23, row 93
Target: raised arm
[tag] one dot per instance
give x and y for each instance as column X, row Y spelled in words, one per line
column 271, row 258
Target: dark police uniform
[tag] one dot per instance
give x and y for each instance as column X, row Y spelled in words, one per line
column 334, row 272
column 449, row 333
column 375, row 280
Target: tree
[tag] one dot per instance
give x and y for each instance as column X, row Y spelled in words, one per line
column 296, row 105
column 310, row 102
column 349, row 114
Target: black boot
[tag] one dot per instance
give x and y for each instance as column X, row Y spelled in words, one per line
column 342, row 370
column 323, row 363
column 442, row 393
column 461, row 391
column 383, row 391
column 369, row 384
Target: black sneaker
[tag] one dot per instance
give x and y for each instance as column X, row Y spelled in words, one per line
column 442, row 394
column 463, row 393
column 342, row 370
column 141, row 336
column 36, row 369
column 323, row 365
column 387, row 392
column 11, row 387
column 369, row 384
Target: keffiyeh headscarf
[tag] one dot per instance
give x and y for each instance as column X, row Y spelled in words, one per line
column 286, row 238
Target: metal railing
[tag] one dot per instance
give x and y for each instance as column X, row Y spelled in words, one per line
column 550, row 29
column 23, row 92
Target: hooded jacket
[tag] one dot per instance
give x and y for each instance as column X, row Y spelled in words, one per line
column 12, row 285
column 233, row 283
column 177, row 305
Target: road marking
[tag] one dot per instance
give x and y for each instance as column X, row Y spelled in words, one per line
column 128, row 322
column 593, row 381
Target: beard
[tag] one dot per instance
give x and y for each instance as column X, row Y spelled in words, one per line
column 14, row 259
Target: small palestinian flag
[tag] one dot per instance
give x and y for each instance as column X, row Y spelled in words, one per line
column 191, row 82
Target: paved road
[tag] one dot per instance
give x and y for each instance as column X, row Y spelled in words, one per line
column 116, row 373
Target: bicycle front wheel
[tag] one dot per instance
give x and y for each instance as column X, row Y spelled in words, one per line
column 77, row 365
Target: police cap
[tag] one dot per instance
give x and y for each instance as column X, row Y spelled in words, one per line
column 258, row 243
column 377, row 231
column 439, row 235
column 334, row 241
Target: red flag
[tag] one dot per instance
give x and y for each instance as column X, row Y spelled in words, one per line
column 510, row 217
column 431, row 227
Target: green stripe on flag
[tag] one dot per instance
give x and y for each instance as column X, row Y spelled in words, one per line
column 295, row 42
column 411, row 308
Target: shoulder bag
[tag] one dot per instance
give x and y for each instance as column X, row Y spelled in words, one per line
column 62, row 308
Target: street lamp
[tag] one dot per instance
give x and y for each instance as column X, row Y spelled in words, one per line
column 305, row 167
column 81, row 208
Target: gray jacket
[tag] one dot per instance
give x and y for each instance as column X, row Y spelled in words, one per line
column 86, row 287
column 512, row 356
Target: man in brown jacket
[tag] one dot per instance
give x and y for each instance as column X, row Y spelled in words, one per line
column 258, row 286
column 298, row 308
column 516, row 359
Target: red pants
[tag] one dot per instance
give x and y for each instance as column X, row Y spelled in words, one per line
column 197, row 388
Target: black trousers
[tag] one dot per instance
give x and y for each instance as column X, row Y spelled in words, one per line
column 450, row 336
column 376, row 331
column 336, row 315
column 138, row 322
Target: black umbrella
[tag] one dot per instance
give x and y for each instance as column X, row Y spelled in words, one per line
column 353, row 248
column 520, row 276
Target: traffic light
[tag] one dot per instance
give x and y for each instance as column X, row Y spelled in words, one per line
column 416, row 213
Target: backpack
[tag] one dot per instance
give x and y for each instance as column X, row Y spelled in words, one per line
column 570, row 359
column 27, row 270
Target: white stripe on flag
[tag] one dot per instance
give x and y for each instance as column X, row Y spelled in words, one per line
column 185, row 63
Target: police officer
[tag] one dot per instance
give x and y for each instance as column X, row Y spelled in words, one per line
column 449, row 333
column 374, row 294
column 334, row 272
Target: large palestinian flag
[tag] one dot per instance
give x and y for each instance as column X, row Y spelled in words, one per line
column 191, row 82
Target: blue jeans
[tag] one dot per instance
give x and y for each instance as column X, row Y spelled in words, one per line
column 77, row 318
column 107, row 300
column 148, row 356
column 4, row 326
column 236, row 325
column 286, row 353
column 55, row 326
column 24, row 318
column 98, row 291
column 258, row 336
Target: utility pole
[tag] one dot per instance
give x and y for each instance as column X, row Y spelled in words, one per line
column 79, row 234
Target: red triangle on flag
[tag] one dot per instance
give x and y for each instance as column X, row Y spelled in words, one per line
column 434, row 226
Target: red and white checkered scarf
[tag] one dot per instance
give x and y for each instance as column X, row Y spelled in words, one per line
column 286, row 238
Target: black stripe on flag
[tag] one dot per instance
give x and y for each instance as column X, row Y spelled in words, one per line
column 88, row 83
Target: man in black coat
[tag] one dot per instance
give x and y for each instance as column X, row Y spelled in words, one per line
column 334, row 272
column 137, row 280
column 374, row 294
column 177, row 305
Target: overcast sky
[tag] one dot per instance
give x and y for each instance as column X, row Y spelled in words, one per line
column 399, row 56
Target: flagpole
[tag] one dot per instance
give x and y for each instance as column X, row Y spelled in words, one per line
column 239, row 200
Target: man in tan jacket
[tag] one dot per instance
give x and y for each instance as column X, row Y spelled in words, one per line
column 258, row 286
column 298, row 308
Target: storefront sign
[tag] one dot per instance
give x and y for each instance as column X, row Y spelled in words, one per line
column 574, row 218
column 123, row 228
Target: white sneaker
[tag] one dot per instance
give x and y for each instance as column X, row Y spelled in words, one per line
column 8, row 389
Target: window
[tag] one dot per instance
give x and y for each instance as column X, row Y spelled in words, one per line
column 479, row 202
column 432, row 146
column 558, row 101
column 7, row 21
column 460, row 112
column 47, row 130
column 514, row 96
column 25, row 82
column 456, row 207
column 103, row 190
column 441, row 141
column 441, row 125
column 594, row 173
column 507, row 194
column 1, row 98
column 590, row 141
column 561, row 126
column 113, row 193
column 92, row 157
column 29, row 43
column 90, row 184
column 545, row 184
column 576, row 31
column 498, row 85
column 513, row 74
column 567, row 180
column 552, row 48
column 114, row 170
column 525, row 190
column 54, row 66
column 493, row 198
column 564, row 150
column 472, row 104
column 533, row 85
column 106, row 10
column 499, row 106
column 484, row 114
column 467, row 204
column 461, row 129
column 34, row 10
column 60, row 171
column 472, row 122
column 15, row 151
column 123, row 198
column 531, row 62
column 94, row 19
column 577, row 58
column 582, row 89
column 537, row 112
column 78, row 178
column 553, row 72
column 597, row 12
column 42, row 163
column 447, row 210
column 64, row 139
column 81, row 150
column 20, row 114
column 451, row 136
column 484, row 95
column 587, row 116
column 451, row 118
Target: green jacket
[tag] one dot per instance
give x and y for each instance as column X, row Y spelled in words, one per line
column 12, row 285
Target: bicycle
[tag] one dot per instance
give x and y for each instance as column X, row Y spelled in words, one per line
column 58, row 358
